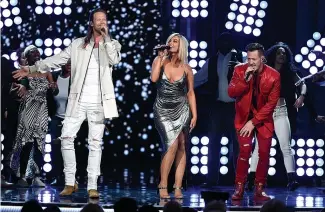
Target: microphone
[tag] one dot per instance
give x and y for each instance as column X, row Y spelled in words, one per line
column 103, row 30
column 161, row 47
column 248, row 75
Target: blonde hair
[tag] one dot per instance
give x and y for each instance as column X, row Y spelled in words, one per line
column 182, row 49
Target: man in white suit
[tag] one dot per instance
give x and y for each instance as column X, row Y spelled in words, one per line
column 91, row 95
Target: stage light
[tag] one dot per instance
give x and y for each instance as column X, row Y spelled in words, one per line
column 310, row 172
column 247, row 30
column 223, row 160
column 195, row 140
column 39, row 10
column 48, row 148
column 300, row 171
column 194, row 170
column 229, row 25
column 322, row 42
column 175, row 3
column 58, row 2
column 194, row 13
column 204, row 140
column 231, row 16
column 223, row 170
column 68, row 2
column 47, row 167
column 47, row 158
column 48, row 138
column 309, row 59
column 272, row 152
column 259, row 23
column 273, row 142
column 300, row 152
column 310, row 162
column 300, row 162
column 204, row 170
column 300, row 142
column 319, row 162
column 319, row 63
column 201, row 63
column 203, row 45
column 319, row 172
column 243, row 9
column 316, row 35
column 224, row 150
column 175, row 13
column 310, row 152
column 238, row 27
column 272, row 161
column 204, row 160
column 244, row 12
column 320, row 142
column 195, row 160
column 195, row 150
column 261, row 14
column 233, row 6
column 310, row 43
column 224, row 141
column 263, row 4
column 58, row 11
column 204, row 13
column 320, row 153
column 252, row 12
column 67, row 11
column 271, row 171
column 204, row 150
column 256, row 32
column 204, row 4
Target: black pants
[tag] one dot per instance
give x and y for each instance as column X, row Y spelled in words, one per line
column 25, row 154
column 221, row 124
column 9, row 129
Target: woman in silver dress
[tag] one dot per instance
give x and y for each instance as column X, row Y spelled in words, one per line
column 174, row 109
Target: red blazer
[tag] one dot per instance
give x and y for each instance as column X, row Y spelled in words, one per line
column 269, row 93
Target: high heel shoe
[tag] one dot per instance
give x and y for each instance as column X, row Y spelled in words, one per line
column 178, row 188
column 162, row 188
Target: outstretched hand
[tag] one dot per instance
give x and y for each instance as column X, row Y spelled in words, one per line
column 21, row 73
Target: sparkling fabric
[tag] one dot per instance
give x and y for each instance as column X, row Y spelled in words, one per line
column 172, row 113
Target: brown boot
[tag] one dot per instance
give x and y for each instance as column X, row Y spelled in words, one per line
column 259, row 194
column 239, row 192
column 93, row 193
column 68, row 190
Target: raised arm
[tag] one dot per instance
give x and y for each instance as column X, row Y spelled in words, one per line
column 237, row 86
column 53, row 62
column 113, row 50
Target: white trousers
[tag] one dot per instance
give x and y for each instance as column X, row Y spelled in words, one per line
column 283, row 133
column 71, row 125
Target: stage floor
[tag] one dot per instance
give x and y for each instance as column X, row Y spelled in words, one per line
column 303, row 199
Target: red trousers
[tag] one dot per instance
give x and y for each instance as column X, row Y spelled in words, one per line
column 245, row 150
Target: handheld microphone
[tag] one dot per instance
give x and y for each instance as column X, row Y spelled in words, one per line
column 248, row 75
column 161, row 47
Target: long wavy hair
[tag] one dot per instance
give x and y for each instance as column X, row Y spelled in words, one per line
column 271, row 56
column 90, row 30
column 183, row 47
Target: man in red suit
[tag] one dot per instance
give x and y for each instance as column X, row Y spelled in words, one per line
column 256, row 88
